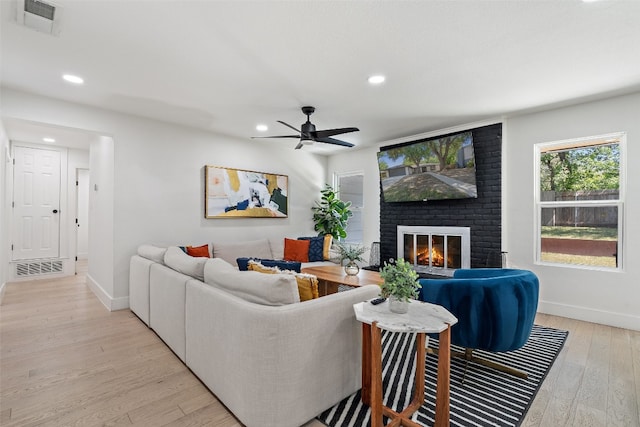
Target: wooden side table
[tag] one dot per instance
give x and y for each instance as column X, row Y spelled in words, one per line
column 422, row 318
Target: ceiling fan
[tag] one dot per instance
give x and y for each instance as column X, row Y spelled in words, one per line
column 308, row 133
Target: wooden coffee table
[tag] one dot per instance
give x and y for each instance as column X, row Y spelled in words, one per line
column 330, row 276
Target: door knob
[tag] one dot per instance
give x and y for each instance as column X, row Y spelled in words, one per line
column 55, row 211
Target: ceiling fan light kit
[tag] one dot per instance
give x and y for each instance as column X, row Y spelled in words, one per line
column 309, row 135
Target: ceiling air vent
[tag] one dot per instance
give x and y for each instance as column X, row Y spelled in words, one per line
column 38, row 15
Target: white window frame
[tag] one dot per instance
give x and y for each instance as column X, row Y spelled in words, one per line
column 359, row 209
column 539, row 205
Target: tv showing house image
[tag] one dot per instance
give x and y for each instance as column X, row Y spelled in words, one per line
column 432, row 169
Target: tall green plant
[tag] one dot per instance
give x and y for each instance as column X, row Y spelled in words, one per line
column 331, row 214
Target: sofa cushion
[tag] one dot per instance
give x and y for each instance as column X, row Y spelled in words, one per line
column 198, row 251
column 307, row 283
column 243, row 264
column 296, row 250
column 152, row 253
column 277, row 247
column 231, row 251
column 176, row 259
column 316, row 246
column 265, row 289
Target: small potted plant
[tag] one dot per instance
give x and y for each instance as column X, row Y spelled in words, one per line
column 352, row 253
column 400, row 285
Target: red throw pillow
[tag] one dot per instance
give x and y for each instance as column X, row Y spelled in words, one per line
column 296, row 250
column 198, row 251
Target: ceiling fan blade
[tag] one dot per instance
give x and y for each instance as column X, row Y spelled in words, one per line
column 288, row 125
column 335, row 142
column 299, row 146
column 277, row 136
column 330, row 132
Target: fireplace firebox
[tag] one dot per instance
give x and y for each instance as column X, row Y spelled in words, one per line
column 435, row 250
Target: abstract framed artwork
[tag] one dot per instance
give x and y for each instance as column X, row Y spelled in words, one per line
column 233, row 193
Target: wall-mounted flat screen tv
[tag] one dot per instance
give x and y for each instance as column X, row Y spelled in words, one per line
column 430, row 169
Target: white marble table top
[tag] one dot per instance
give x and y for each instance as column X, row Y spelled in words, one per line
column 422, row 317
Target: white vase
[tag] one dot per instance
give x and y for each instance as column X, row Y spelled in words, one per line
column 397, row 306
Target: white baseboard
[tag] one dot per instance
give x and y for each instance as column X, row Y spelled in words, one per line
column 586, row 314
column 119, row 303
column 112, row 304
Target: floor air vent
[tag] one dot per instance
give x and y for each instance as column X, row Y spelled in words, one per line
column 37, row 268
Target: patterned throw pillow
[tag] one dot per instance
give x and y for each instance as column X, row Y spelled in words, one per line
column 307, row 283
column 316, row 247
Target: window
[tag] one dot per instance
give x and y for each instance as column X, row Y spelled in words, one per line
column 350, row 187
column 579, row 202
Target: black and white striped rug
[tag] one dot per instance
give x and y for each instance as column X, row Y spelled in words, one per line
column 486, row 398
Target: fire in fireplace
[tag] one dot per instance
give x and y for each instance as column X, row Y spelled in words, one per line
column 435, row 250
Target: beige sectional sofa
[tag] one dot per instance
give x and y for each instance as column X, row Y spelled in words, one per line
column 270, row 359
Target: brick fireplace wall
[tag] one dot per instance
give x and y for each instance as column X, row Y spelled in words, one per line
column 483, row 214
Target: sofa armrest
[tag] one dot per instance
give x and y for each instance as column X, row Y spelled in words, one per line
column 139, row 270
column 294, row 361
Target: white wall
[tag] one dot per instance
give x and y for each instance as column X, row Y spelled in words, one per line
column 158, row 171
column 4, row 209
column 596, row 296
column 100, row 275
column 82, row 213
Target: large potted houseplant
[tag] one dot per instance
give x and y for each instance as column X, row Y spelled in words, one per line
column 400, row 285
column 353, row 253
column 330, row 214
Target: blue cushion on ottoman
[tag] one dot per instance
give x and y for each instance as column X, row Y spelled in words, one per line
column 243, row 264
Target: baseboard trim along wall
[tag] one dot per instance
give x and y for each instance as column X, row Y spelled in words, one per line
column 618, row 320
column 112, row 304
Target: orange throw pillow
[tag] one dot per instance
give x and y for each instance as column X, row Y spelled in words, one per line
column 198, row 251
column 296, row 250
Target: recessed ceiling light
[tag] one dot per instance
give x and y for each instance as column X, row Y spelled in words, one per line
column 377, row 79
column 73, row 79
column 262, row 128
column 47, row 139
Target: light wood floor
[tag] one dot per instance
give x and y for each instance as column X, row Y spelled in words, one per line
column 66, row 361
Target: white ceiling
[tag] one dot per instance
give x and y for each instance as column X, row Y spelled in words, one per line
column 226, row 66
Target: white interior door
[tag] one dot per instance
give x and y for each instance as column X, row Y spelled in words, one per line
column 36, row 204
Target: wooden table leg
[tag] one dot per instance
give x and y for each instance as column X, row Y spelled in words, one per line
column 376, row 376
column 366, row 364
column 442, row 385
column 418, row 395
